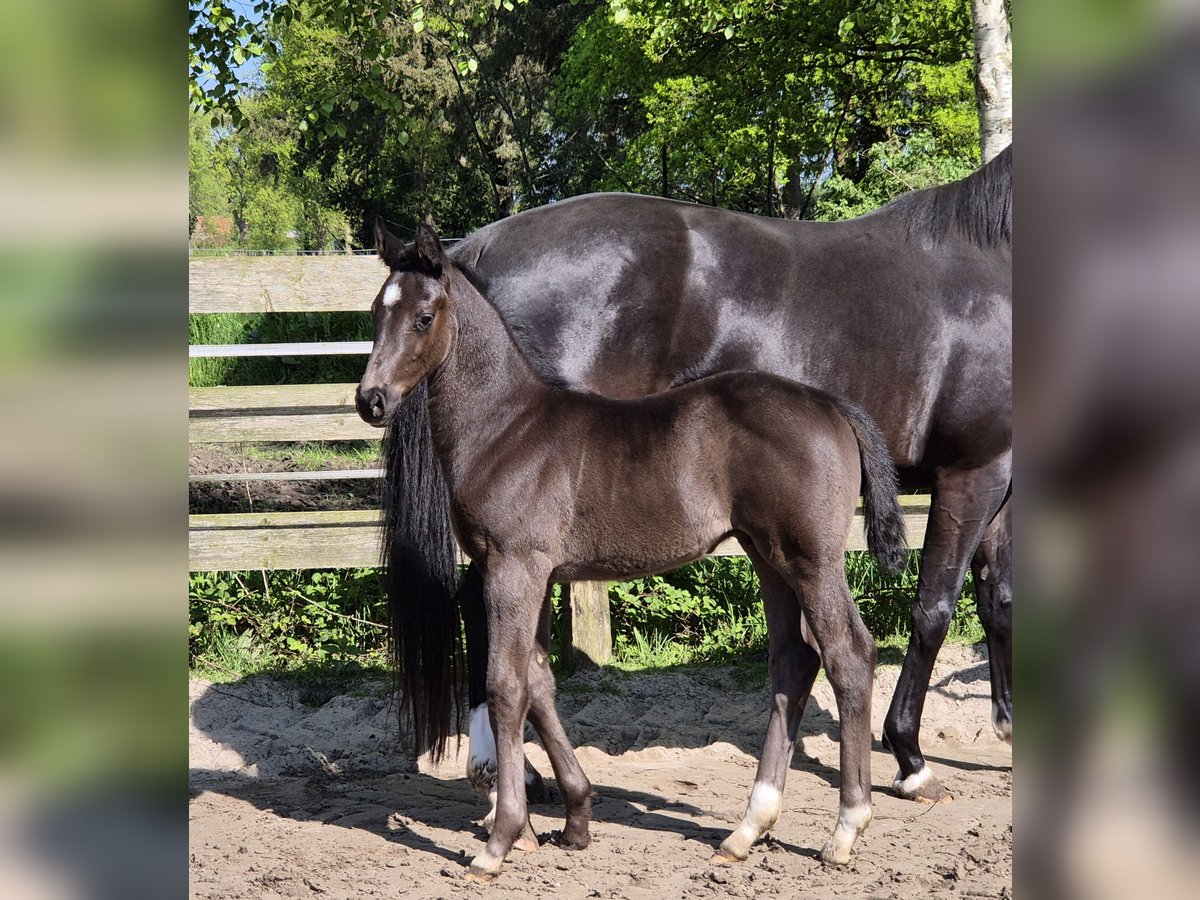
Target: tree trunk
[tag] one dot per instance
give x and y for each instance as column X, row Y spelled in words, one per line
column 666, row 182
column 993, row 75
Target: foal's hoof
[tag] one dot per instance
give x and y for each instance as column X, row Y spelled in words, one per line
column 570, row 841
column 834, row 854
column 483, row 869
column 921, row 786
column 725, row 857
column 479, row 876
column 528, row 841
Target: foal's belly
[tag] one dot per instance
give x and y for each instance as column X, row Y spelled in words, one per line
column 640, row 549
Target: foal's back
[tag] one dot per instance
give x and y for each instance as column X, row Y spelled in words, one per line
column 645, row 485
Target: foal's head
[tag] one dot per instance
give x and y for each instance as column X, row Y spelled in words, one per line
column 412, row 324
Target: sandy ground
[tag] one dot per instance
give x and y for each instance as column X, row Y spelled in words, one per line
column 296, row 800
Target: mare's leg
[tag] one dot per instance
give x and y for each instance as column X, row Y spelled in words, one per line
column 992, row 568
column 515, row 592
column 793, row 666
column 572, row 782
column 963, row 505
column 481, row 758
column 848, row 651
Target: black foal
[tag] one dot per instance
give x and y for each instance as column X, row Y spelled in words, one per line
column 549, row 485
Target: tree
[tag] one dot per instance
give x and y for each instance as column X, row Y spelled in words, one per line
column 993, row 75
column 704, row 101
column 208, row 177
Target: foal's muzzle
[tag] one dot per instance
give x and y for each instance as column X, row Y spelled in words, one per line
column 372, row 405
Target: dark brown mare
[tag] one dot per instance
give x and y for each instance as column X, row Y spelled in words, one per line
column 906, row 311
column 549, row 485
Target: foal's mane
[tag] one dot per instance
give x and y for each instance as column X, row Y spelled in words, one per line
column 977, row 208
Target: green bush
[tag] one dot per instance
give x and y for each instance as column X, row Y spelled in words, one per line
column 709, row 611
column 242, row 622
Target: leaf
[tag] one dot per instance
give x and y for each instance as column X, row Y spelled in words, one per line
column 473, row 65
column 620, row 14
column 418, row 26
column 728, row 32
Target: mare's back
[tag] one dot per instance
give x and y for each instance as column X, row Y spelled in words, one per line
column 626, row 295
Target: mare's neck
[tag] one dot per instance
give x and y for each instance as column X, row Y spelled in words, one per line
column 484, row 385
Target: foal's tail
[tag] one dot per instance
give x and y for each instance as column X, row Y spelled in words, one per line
column 884, row 519
column 421, row 559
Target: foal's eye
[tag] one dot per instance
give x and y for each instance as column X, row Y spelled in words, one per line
column 424, row 321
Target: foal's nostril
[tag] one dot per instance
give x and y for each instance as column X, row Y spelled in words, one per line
column 371, row 403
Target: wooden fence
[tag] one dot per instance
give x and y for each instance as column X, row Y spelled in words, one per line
column 325, row 412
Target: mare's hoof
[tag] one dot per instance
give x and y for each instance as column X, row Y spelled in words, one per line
column 922, row 786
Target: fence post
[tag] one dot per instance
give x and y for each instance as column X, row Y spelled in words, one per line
column 588, row 633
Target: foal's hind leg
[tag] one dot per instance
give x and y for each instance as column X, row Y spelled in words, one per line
column 849, row 655
column 992, row 568
column 793, row 666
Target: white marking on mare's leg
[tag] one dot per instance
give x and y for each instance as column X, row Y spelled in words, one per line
column 481, row 760
column 761, row 813
column 1003, row 729
column 852, row 821
column 906, row 787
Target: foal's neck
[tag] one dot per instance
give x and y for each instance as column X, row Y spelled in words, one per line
column 483, row 386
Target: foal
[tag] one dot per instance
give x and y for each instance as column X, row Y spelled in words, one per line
column 549, row 485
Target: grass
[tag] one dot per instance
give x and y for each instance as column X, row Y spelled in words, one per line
column 317, row 455
column 273, row 328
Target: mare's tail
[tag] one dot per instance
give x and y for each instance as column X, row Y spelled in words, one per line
column 420, row 556
column 884, row 520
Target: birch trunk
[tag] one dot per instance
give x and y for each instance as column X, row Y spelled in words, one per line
column 993, row 75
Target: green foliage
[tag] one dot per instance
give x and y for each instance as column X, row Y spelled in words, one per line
column 707, row 612
column 470, row 111
column 208, row 178
column 705, row 100
column 242, row 622
column 271, row 215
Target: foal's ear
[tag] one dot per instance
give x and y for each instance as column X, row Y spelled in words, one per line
column 390, row 248
column 429, row 247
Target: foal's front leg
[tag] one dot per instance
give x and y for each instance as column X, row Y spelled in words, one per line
column 513, row 605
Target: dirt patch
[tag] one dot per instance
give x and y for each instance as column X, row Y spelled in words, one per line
column 290, row 800
column 271, row 496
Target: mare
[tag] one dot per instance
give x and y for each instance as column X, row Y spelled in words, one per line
column 549, row 485
column 906, row 311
